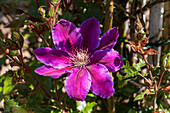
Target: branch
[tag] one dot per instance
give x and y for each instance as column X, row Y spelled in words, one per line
column 126, row 12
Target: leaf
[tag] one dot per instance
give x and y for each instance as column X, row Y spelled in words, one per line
column 2, row 45
column 141, row 96
column 6, row 85
column 151, row 51
column 130, row 71
column 12, row 106
column 92, row 11
column 121, row 82
column 132, row 111
column 16, row 23
column 139, row 65
column 2, row 60
column 19, row 109
column 85, row 108
column 89, row 107
column 67, row 16
column 8, row 105
column 13, row 52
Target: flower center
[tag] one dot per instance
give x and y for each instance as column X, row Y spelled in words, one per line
column 80, row 58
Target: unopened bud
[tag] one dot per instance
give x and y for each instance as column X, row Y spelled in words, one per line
column 42, row 11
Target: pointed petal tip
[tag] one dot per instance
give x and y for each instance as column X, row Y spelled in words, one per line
column 109, row 39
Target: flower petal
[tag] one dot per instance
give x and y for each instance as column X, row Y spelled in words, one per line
column 78, row 84
column 102, row 83
column 50, row 71
column 109, row 39
column 66, row 36
column 90, row 31
column 110, row 58
column 52, row 57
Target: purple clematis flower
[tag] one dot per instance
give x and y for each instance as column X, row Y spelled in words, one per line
column 87, row 58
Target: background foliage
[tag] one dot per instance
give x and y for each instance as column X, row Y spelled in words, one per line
column 26, row 25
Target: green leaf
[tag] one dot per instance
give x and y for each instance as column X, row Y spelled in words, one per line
column 92, row 11
column 2, row 60
column 132, row 111
column 16, row 23
column 13, row 52
column 140, row 96
column 8, row 105
column 12, row 106
column 6, row 85
column 85, row 108
column 19, row 109
column 2, row 45
column 139, row 65
column 67, row 16
column 130, row 70
column 89, row 107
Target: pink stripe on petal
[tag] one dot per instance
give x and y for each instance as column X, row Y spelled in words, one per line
column 110, row 58
column 66, row 36
column 50, row 71
column 102, row 83
column 53, row 57
column 78, row 84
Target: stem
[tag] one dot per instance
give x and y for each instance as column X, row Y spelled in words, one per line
column 22, row 59
column 160, row 79
column 56, row 93
column 147, row 64
column 42, row 39
column 145, row 78
column 13, row 59
column 126, row 12
column 108, row 25
column 154, row 101
column 109, row 15
column 48, row 95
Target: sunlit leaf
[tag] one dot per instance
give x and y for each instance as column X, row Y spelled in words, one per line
column 139, row 65
column 89, row 107
column 140, row 96
column 6, row 85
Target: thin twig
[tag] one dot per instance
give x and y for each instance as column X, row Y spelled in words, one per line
column 150, row 73
column 160, row 79
column 56, row 92
column 8, row 55
column 126, row 12
column 145, row 78
column 135, row 83
column 22, row 59
column 43, row 39
column 155, row 98
column 47, row 94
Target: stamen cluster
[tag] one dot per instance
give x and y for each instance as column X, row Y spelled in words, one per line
column 80, row 58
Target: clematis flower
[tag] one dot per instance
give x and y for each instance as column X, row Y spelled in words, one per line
column 82, row 54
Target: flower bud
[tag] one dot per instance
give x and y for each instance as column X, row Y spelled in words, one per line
column 41, row 11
